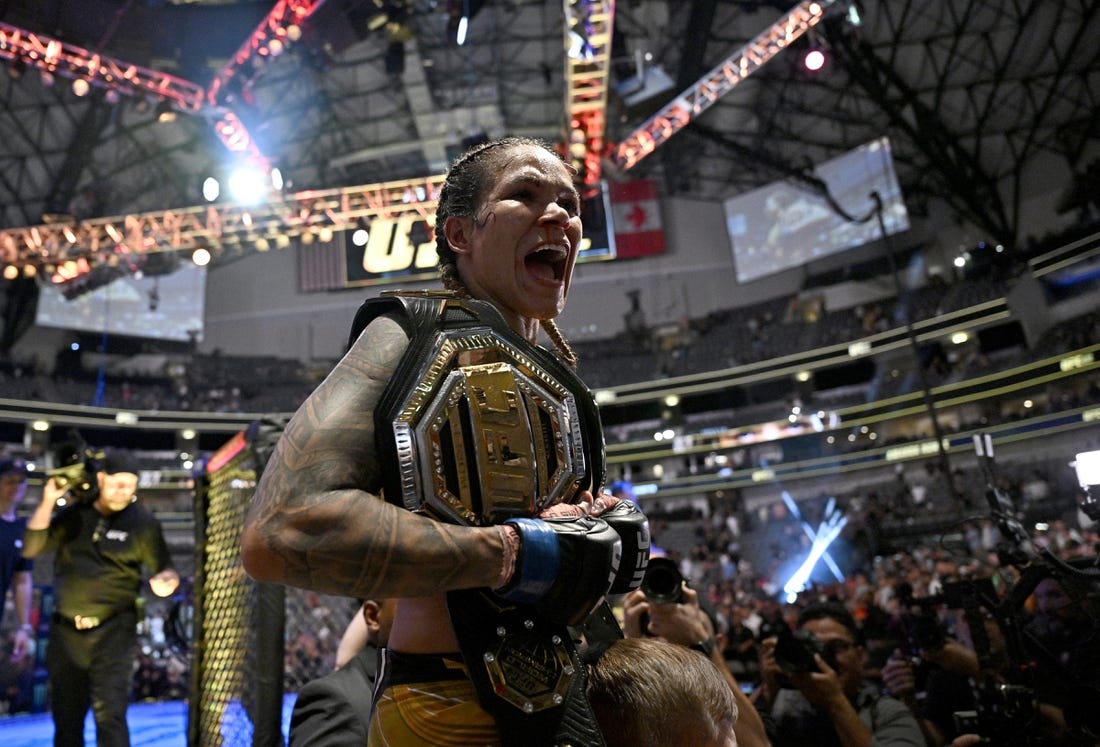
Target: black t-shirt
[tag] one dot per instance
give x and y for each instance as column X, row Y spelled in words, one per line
column 11, row 555
column 98, row 568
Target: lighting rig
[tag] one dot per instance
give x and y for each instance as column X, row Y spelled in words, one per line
column 66, row 248
column 675, row 115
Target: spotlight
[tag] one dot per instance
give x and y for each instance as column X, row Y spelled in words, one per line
column 1087, row 466
column 164, row 111
column 201, row 257
column 248, row 185
column 211, row 189
column 814, row 60
column 80, row 87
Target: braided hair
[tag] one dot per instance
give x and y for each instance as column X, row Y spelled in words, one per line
column 461, row 197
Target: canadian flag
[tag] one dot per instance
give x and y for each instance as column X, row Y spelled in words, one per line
column 636, row 218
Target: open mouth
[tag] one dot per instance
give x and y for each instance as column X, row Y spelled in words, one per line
column 548, row 262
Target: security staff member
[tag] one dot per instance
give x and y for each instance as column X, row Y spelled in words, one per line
column 103, row 541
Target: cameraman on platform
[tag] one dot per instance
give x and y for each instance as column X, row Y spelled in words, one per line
column 103, row 539
column 816, row 692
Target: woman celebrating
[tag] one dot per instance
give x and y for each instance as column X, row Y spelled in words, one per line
column 450, row 462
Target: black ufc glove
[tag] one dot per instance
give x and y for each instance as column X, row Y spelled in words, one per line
column 632, row 526
column 564, row 567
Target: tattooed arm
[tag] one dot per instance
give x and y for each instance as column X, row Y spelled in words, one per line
column 317, row 521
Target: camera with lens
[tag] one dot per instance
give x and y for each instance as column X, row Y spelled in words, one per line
column 663, row 583
column 795, row 651
column 72, row 465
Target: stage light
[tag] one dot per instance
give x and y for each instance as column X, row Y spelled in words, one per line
column 11, row 272
column 164, row 111
column 814, row 60
column 827, row 532
column 460, row 32
column 211, row 189
column 81, row 87
column 201, row 257
column 248, row 185
column 359, row 237
column 29, row 271
column 277, row 181
column 1087, row 466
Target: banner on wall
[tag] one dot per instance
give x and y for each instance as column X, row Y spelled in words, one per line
column 401, row 249
column 636, row 216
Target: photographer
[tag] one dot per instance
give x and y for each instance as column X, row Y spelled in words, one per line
column 946, row 688
column 814, row 684
column 930, row 672
column 103, row 539
column 667, row 609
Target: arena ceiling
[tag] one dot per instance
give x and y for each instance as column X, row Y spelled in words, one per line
column 970, row 93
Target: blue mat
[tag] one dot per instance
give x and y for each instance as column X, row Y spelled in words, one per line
column 151, row 725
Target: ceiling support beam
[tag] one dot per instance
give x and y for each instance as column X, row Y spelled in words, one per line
column 675, row 115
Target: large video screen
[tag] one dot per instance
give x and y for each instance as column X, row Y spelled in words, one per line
column 165, row 307
column 787, row 224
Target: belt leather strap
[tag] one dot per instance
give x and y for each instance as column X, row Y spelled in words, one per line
column 526, row 672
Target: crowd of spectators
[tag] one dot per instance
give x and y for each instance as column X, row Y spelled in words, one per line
column 898, row 599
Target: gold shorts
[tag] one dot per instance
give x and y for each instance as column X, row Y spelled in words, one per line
column 431, row 713
column 443, row 713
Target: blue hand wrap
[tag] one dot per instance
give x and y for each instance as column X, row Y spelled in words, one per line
column 538, row 562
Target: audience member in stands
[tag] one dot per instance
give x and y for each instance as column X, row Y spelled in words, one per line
column 831, row 703
column 336, row 709
column 508, row 230
column 15, row 570
column 103, row 541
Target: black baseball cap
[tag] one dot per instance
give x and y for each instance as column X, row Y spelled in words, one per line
column 9, row 465
column 120, row 460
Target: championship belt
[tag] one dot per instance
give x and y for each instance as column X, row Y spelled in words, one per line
column 479, row 426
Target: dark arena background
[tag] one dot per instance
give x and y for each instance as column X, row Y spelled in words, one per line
column 811, row 298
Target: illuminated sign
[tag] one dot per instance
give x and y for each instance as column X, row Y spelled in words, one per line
column 402, row 248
